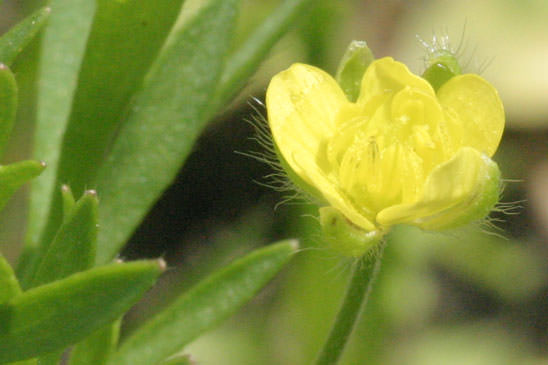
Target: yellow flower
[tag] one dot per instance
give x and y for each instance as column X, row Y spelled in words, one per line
column 402, row 153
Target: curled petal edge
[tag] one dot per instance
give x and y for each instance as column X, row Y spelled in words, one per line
column 457, row 192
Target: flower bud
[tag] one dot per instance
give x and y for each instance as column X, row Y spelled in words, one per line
column 441, row 66
column 351, row 68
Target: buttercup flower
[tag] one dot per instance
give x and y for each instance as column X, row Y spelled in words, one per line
column 402, row 153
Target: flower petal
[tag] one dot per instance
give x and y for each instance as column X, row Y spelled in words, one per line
column 457, row 192
column 386, row 75
column 302, row 103
column 474, row 112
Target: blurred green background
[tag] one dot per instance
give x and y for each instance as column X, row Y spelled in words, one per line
column 474, row 296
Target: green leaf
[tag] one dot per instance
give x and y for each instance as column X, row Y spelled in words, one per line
column 96, row 349
column 124, row 39
column 202, row 307
column 62, row 50
column 16, row 174
column 68, row 201
column 15, row 40
column 25, row 362
column 9, row 286
column 247, row 58
column 51, row 359
column 178, row 360
column 163, row 122
column 8, row 104
column 59, row 314
column 73, row 248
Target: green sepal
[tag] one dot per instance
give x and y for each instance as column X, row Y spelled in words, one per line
column 203, row 306
column 486, row 198
column 16, row 174
column 442, row 65
column 15, row 40
column 344, row 237
column 56, row 315
column 351, row 68
column 299, row 184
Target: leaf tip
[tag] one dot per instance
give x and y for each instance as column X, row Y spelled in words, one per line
column 294, row 244
column 91, row 192
column 162, row 264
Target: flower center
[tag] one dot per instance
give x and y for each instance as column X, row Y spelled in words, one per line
column 383, row 151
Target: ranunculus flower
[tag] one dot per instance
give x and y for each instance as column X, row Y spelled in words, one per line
column 402, row 153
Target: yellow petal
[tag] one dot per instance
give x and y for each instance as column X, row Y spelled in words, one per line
column 457, row 192
column 386, row 75
column 474, row 112
column 302, row 103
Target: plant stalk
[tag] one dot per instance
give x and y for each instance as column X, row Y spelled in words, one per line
column 355, row 299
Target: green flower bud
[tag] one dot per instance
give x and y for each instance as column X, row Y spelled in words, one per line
column 352, row 67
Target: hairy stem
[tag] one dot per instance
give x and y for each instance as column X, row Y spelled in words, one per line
column 355, row 299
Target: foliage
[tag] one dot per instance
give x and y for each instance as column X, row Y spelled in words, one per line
column 124, row 90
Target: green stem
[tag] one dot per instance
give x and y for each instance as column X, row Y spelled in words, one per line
column 355, row 299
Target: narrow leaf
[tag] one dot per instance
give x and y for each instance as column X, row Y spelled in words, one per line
column 204, row 306
column 59, row 314
column 95, row 349
column 165, row 119
column 8, row 104
column 15, row 40
column 178, row 360
column 51, row 359
column 62, row 50
column 73, row 248
column 124, row 39
column 9, row 286
column 68, row 201
column 16, row 174
column 25, row 362
column 245, row 60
